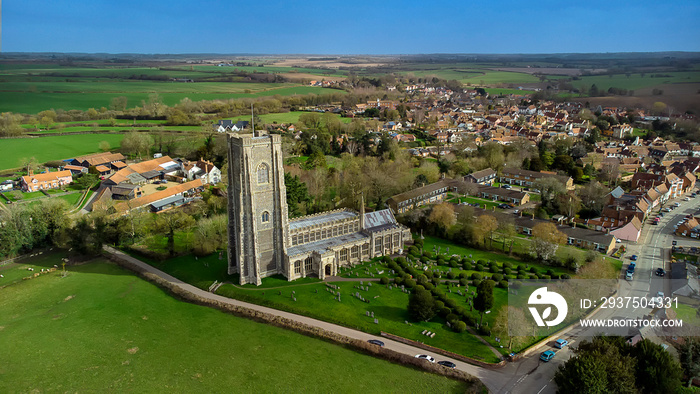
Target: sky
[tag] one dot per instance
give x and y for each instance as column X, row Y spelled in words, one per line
column 349, row 27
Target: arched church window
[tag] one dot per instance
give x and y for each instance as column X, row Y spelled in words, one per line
column 263, row 173
column 265, row 217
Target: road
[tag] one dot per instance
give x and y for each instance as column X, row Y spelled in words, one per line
column 528, row 375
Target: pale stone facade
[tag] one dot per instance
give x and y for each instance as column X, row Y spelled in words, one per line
column 264, row 242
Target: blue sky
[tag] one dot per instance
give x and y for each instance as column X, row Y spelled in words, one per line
column 350, row 27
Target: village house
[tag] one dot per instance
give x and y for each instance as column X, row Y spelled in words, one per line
column 526, row 178
column 106, row 159
column 45, row 181
column 499, row 194
column 484, row 177
column 428, row 194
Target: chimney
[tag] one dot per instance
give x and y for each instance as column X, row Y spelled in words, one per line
column 533, row 216
column 31, row 173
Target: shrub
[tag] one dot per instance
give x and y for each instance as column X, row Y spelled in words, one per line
column 476, row 276
column 522, row 277
column 428, row 286
column 409, row 283
column 468, row 266
column 451, row 275
column 418, row 243
column 451, row 303
column 486, row 331
column 463, row 282
column 418, row 288
column 554, row 276
column 454, row 264
column 422, row 279
column 550, row 272
column 497, row 277
column 398, row 281
column 463, row 275
column 480, row 262
column 384, row 280
column 460, row 311
column 476, row 282
column 445, row 311
column 459, row 326
column 533, row 270
column 503, row 284
column 451, row 318
column 470, row 320
column 565, row 276
column 507, row 271
column 545, row 277
column 511, row 277
column 479, row 268
column 494, row 268
column 439, row 304
column 428, row 274
column 507, row 265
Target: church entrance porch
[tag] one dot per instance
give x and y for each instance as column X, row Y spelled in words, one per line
column 328, row 269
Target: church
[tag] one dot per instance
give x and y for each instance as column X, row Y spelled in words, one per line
column 263, row 241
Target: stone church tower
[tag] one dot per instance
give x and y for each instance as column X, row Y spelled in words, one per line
column 257, row 204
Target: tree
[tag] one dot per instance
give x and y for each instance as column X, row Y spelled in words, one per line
column 118, row 103
column 421, row 305
column 593, row 198
column 507, row 230
column 10, row 125
column 545, row 240
column 443, row 216
column 487, row 224
column 484, row 298
column 29, row 163
column 135, row 143
column 513, row 317
column 549, row 188
column 297, row 194
column 657, row 370
column 610, row 172
column 168, row 223
column 689, row 354
column 104, row 146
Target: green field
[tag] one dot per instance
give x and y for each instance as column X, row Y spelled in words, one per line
column 103, row 329
column 636, row 81
column 52, row 148
column 33, row 97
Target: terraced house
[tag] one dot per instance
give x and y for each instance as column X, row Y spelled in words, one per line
column 525, row 178
column 428, row 194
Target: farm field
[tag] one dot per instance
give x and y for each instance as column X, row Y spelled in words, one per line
column 53, row 148
column 103, row 328
column 28, row 101
column 636, row 81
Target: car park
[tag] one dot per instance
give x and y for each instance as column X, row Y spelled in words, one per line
column 660, row 272
column 561, row 343
column 448, row 364
column 376, row 342
column 425, row 357
column 547, row 355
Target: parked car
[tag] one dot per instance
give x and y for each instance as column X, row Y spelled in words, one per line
column 560, row 343
column 660, row 294
column 674, row 243
column 629, row 275
column 448, row 364
column 425, row 357
column 633, row 257
column 686, row 199
column 547, row 355
column 660, row 272
column 506, row 186
column 376, row 342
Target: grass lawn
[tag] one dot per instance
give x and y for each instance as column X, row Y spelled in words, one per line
column 688, row 314
column 102, row 328
column 476, row 254
column 53, row 148
column 312, row 299
column 72, row 199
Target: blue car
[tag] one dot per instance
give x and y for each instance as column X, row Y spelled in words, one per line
column 560, row 343
column 376, row 342
column 546, row 356
column 633, row 257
